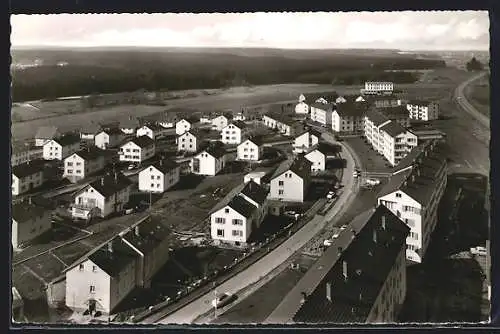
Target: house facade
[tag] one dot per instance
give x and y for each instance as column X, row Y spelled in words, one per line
column 182, row 126
column 108, row 138
column 26, row 177
column 234, row 133
column 153, row 131
column 322, row 113
column 29, row 220
column 81, row 164
column 304, row 141
column 302, row 108
column 189, row 141
column 317, row 158
column 60, row 148
column 348, row 118
column 24, row 153
column 291, row 180
column 105, row 196
column 378, row 87
column 209, row 162
column 159, row 177
column 249, row 150
column 423, row 110
column 137, row 150
column 219, row 122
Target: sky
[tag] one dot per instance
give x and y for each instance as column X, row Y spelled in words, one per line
column 444, row 30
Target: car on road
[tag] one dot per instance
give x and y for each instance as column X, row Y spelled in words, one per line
column 331, row 195
column 479, row 251
column 343, row 227
column 356, row 173
column 372, row 182
column 223, row 300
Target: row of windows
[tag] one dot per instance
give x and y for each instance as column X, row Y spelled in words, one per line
column 234, row 233
column 246, row 150
column 132, row 157
column 221, row 220
column 78, row 171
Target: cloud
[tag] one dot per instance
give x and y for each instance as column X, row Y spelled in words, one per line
column 409, row 30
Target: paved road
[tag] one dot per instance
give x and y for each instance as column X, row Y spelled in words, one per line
column 466, row 105
column 274, row 259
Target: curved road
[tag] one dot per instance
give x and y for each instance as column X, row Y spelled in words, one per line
column 274, row 259
column 466, row 105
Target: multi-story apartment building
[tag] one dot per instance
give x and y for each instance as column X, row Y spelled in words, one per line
column 413, row 194
column 27, row 176
column 29, row 220
column 322, row 113
column 282, row 123
column 348, row 118
column 152, row 130
column 423, row 110
column 60, row 148
column 302, row 107
column 373, row 87
column 234, row 133
column 83, row 163
column 189, row 141
column 209, row 162
column 137, row 150
column 22, row 153
column 360, row 278
column 397, row 114
column 291, row 180
column 182, row 126
column 219, row 122
column 250, row 150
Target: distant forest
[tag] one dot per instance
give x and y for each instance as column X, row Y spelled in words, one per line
column 101, row 72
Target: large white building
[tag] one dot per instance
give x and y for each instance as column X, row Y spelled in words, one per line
column 60, row 148
column 189, row 141
column 322, row 113
column 423, row 110
column 302, row 107
column 109, row 138
column 388, row 137
column 283, row 124
column 235, row 221
column 360, row 278
column 290, row 182
column 27, row 176
column 378, row 87
column 209, row 162
column 137, row 150
column 108, row 275
column 413, row 194
column 219, row 122
column 234, row 133
column 29, row 220
column 305, row 140
column 159, row 177
column 348, row 118
column 105, row 196
column 83, row 163
column 153, row 131
column 182, row 126
column 250, row 150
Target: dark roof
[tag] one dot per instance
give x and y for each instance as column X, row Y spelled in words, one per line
column 239, row 124
column 28, row 168
column 91, row 153
column 311, row 131
column 282, row 118
column 393, row 129
column 109, row 184
column 193, row 131
column 350, row 109
column 154, row 126
column 257, row 140
column 325, row 148
column 142, row 141
column 242, row 206
column 164, row 165
column 300, row 166
column 216, row 151
column 255, row 192
column 323, row 106
column 420, row 102
column 46, row 132
column 130, row 123
column 376, row 117
column 147, row 236
column 397, row 111
column 112, row 131
column 369, row 261
column 115, row 261
column 91, row 128
column 24, row 211
column 328, row 96
column 67, row 139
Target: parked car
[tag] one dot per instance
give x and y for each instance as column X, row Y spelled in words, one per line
column 373, row 182
column 355, row 174
column 479, row 251
column 223, row 300
column 343, row 227
column 327, row 243
column 331, row 194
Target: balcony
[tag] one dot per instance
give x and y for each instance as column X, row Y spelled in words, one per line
column 84, row 206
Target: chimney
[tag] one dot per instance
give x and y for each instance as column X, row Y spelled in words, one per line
column 136, row 230
column 110, row 246
column 374, row 235
column 383, row 222
column 102, row 181
column 344, row 270
column 329, row 291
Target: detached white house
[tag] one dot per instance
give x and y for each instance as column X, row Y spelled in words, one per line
column 234, row 133
column 182, row 126
column 29, row 220
column 250, row 150
column 423, row 110
column 153, row 131
column 105, row 196
column 302, row 107
column 219, row 122
column 83, row 163
column 137, row 149
column 159, row 177
column 27, row 176
column 108, row 138
column 189, row 141
column 235, row 221
column 306, row 140
column 209, row 162
column 129, row 126
column 60, row 148
column 45, row 134
column 317, row 156
column 291, row 180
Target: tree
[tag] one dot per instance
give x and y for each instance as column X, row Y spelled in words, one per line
column 474, row 65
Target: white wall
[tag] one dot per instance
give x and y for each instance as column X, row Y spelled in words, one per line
column 304, row 141
column 231, row 135
column 219, row 123
column 182, row 126
column 301, row 108
column 249, row 151
column 160, row 182
column 187, row 142
column 292, row 189
column 317, row 159
column 26, row 231
column 136, row 153
column 321, row 116
column 227, row 226
column 209, row 165
column 145, row 131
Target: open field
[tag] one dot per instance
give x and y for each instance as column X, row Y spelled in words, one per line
column 478, row 94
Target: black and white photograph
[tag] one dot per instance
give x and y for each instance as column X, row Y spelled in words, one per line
column 250, row 168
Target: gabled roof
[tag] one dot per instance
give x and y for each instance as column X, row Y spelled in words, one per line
column 256, row 140
column 397, row 111
column 323, row 106
column 193, row 131
column 114, row 261
column 376, row 117
column 311, row 132
column 164, row 165
column 282, row 118
column 25, row 211
column 154, row 127
column 350, row 109
column 90, row 153
column 28, row 168
column 147, row 236
column 393, row 129
column 216, row 151
column 420, row 102
column 110, row 184
column 114, row 131
column 255, row 192
column 46, row 132
column 67, row 139
column 242, row 206
column 300, row 166
column 141, row 141
column 325, row 148
column 239, row 124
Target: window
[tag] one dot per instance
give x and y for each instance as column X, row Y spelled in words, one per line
column 280, row 192
column 78, row 171
column 281, row 183
column 70, row 163
column 152, row 185
column 157, row 185
column 226, row 210
column 398, row 195
column 94, row 269
column 220, row 220
column 158, row 177
column 237, row 222
column 220, row 233
column 78, row 163
column 410, row 222
column 127, row 150
column 81, row 267
column 70, row 171
column 237, row 233
column 152, row 177
column 92, row 288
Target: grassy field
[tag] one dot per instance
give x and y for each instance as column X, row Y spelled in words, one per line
column 478, row 95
